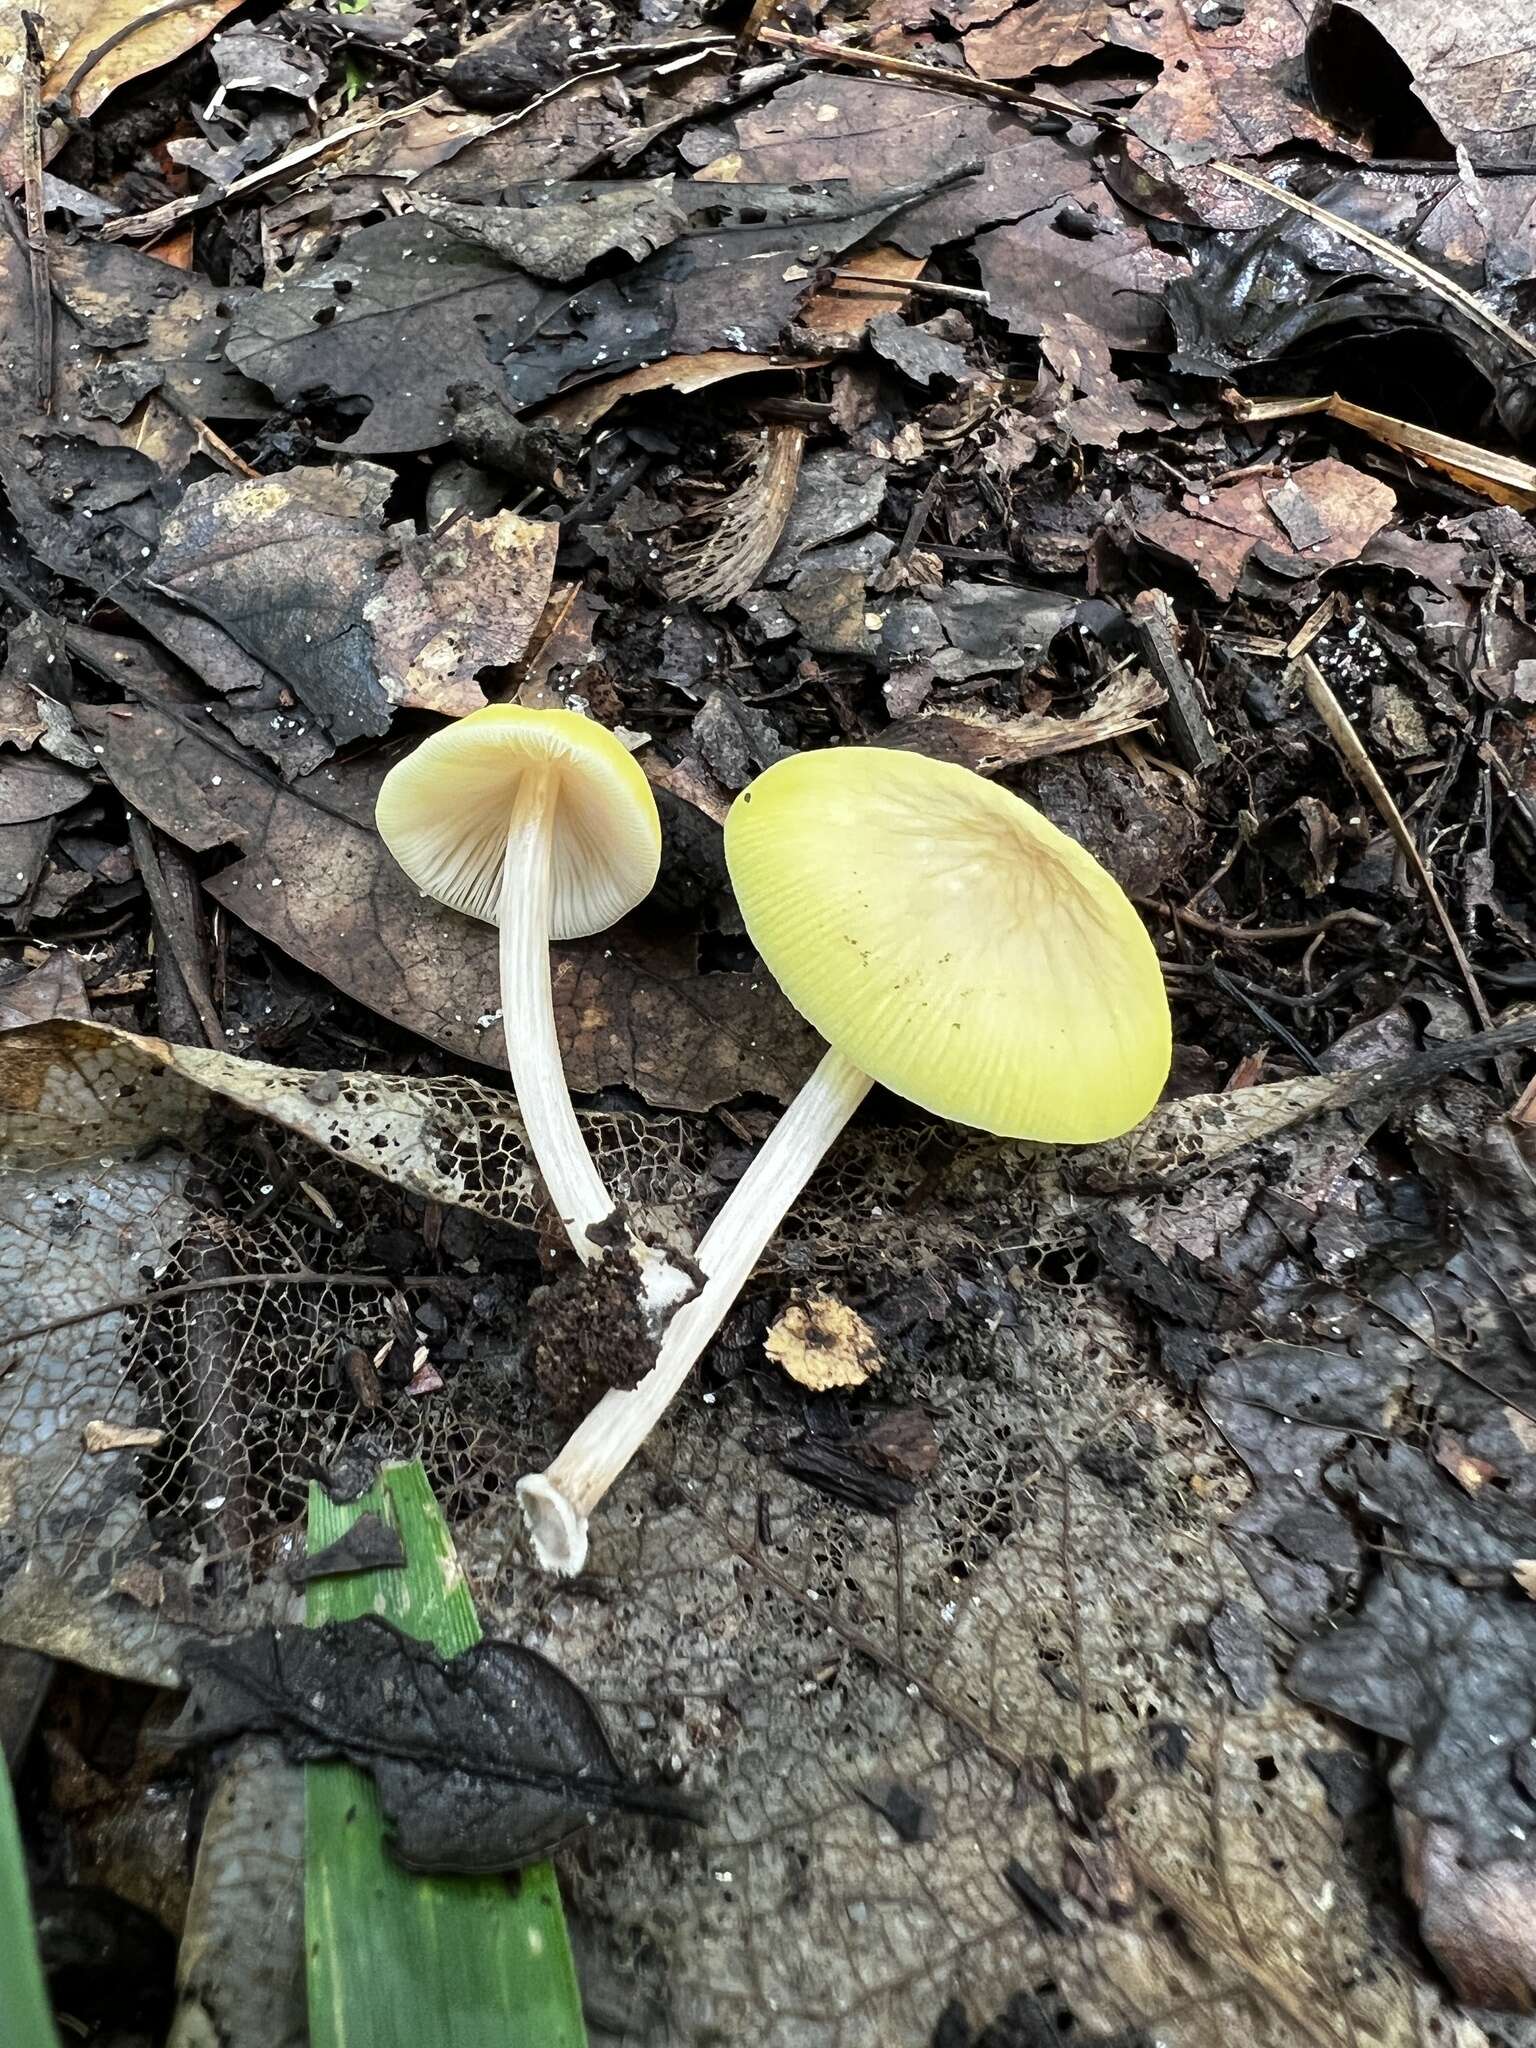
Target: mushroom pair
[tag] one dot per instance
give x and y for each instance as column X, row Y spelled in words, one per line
column 943, row 937
column 948, row 942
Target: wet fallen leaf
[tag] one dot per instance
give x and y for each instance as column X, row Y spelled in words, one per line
column 407, row 310
column 558, row 232
column 484, row 1761
column 1090, row 261
column 358, row 620
column 1324, row 514
column 90, row 48
column 874, row 133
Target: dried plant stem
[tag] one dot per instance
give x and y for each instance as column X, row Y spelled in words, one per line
column 557, row 1503
column 528, row 1018
column 1365, row 772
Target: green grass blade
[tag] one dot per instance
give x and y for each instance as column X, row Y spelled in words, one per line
column 26, row 2020
column 396, row 1959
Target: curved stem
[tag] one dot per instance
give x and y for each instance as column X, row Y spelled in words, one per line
column 528, row 1016
column 556, row 1503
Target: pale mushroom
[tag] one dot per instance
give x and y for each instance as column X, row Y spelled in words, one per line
column 949, row 942
column 540, row 823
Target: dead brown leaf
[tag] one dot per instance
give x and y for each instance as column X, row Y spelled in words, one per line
column 876, row 134
column 1082, row 257
column 1227, row 88
column 71, row 32
column 315, row 880
column 458, row 601
column 56, row 989
column 1324, row 514
column 1090, row 404
column 838, row 316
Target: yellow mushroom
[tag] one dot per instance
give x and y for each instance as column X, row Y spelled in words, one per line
column 540, row 823
column 947, row 941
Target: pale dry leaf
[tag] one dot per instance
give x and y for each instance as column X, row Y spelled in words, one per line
column 575, row 412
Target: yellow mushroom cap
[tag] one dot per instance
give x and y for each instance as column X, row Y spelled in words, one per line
column 952, row 943
column 443, row 813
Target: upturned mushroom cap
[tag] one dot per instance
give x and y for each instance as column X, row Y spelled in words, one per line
column 952, row 943
column 443, row 814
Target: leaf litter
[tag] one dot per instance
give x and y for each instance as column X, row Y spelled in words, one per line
column 1130, row 405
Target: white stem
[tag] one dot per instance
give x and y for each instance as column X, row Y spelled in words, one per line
column 556, row 1503
column 528, row 1016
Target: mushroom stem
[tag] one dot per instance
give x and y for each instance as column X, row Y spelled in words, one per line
column 556, row 1503
column 528, row 1015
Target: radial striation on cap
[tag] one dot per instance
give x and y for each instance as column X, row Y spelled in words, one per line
column 443, row 812
column 950, row 941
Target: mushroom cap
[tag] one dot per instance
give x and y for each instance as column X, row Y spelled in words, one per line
column 951, row 942
column 443, row 813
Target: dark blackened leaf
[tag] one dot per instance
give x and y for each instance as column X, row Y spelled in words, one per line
column 559, row 231
column 408, row 309
column 1350, row 1785
column 841, row 1475
column 921, row 353
column 394, row 319
column 1450, row 1673
column 484, row 1761
column 1044, row 1904
column 371, row 1544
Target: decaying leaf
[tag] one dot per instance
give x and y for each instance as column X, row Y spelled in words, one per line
column 403, row 312
column 874, row 133
column 559, row 231
column 90, row 48
column 1471, row 68
column 1323, row 514
column 1091, row 262
column 302, row 572
column 485, row 1761
column 407, row 310
column 824, row 1343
